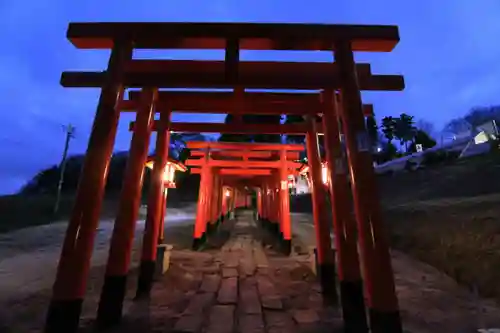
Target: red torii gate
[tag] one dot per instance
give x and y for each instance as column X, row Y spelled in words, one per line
column 342, row 76
column 270, row 162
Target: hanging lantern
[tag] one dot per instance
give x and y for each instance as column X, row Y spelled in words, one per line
column 169, row 173
column 324, row 173
column 291, row 181
column 304, row 170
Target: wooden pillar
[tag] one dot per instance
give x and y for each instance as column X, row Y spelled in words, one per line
column 156, row 197
column 163, row 216
column 220, row 199
column 344, row 226
column 201, row 209
column 259, row 203
column 113, row 291
column 324, row 253
column 379, row 279
column 284, row 204
column 232, row 202
column 212, row 199
column 71, row 278
column 225, row 200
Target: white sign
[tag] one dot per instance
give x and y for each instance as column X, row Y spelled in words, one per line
column 284, row 185
column 419, row 148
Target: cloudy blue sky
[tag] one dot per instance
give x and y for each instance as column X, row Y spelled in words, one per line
column 449, row 54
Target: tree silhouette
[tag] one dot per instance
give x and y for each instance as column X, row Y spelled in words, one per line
column 252, row 119
column 389, row 128
column 422, row 138
column 293, row 119
column 372, row 129
column 405, row 129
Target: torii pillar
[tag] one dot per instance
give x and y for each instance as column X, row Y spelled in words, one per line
column 155, row 211
column 379, row 277
column 115, row 282
column 284, row 205
column 203, row 207
column 72, row 272
column 351, row 285
column 324, row 253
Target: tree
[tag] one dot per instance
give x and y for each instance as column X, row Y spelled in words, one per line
column 424, row 139
column 457, row 126
column 372, row 129
column 389, row 128
column 405, row 129
column 478, row 116
column 252, row 119
column 426, row 126
column 294, row 119
column 229, row 137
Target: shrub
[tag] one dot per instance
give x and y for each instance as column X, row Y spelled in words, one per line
column 439, row 157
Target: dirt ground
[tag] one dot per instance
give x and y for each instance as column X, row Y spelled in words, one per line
column 430, row 301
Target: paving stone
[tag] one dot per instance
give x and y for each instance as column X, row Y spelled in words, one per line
column 247, row 267
column 272, row 303
column 250, row 324
column 221, row 319
column 249, row 298
column 270, row 298
column 305, row 316
column 228, row 292
column 229, row 272
column 231, row 261
column 210, row 283
column 282, row 330
column 199, row 302
column 212, row 269
column 189, row 324
column 260, row 257
column 278, row 319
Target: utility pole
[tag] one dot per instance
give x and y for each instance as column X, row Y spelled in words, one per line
column 70, row 130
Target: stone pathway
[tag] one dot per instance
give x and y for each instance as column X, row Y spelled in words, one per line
column 243, row 287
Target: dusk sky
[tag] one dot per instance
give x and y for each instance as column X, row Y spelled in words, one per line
column 449, row 54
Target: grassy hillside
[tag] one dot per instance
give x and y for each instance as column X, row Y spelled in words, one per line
column 447, row 216
column 25, row 210
column 470, row 177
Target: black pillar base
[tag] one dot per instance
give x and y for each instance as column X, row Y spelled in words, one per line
column 109, row 313
column 353, row 307
column 286, row 245
column 327, row 277
column 198, row 243
column 63, row 316
column 385, row 322
column 146, row 277
column 210, row 228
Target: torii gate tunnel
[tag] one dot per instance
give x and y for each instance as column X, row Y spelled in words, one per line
column 329, row 90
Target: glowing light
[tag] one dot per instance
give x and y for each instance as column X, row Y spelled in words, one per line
column 169, row 173
column 228, row 193
column 324, row 173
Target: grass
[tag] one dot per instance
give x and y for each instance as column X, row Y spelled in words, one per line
column 22, row 211
column 462, row 241
column 445, row 216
